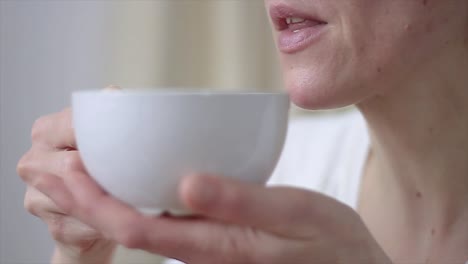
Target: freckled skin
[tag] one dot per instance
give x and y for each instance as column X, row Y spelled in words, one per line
column 404, row 63
column 396, row 36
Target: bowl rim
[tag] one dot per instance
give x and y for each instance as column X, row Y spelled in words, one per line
column 176, row 92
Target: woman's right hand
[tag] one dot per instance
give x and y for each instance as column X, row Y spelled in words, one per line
column 53, row 156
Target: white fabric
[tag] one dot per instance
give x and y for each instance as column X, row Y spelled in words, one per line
column 324, row 153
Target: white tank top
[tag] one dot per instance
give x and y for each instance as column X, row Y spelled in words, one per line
column 325, row 154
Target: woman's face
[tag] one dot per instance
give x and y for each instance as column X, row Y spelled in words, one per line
column 339, row 52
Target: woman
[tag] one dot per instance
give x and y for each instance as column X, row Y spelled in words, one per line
column 402, row 63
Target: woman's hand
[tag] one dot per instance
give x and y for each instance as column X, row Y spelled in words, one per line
column 53, row 157
column 238, row 223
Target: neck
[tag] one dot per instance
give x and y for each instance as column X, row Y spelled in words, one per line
column 419, row 138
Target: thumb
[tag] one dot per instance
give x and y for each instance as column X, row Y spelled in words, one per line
column 283, row 211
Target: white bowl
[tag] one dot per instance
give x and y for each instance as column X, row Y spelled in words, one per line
column 139, row 144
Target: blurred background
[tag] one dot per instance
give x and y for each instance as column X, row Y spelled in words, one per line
column 50, row 48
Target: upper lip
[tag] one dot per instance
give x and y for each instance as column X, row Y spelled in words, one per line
column 280, row 12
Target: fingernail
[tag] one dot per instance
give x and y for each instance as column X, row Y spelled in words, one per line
column 112, row 87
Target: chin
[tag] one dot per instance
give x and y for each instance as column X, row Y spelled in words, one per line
column 307, row 99
column 311, row 93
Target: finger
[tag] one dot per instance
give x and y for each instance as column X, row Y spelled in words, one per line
column 200, row 240
column 54, row 188
column 97, row 208
column 113, row 87
column 70, row 231
column 63, row 228
column 59, row 163
column 39, row 204
column 283, row 211
column 176, row 238
column 54, row 131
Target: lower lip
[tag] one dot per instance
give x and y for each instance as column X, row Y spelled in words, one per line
column 294, row 41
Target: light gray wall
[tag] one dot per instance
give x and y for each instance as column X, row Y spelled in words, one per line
column 50, row 48
column 47, row 49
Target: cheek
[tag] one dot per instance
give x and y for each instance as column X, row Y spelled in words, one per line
column 404, row 49
column 362, row 58
column 335, row 73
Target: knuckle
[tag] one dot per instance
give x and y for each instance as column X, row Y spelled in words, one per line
column 30, row 171
column 30, row 205
column 131, row 235
column 130, row 239
column 41, row 182
column 23, row 166
column 39, row 128
column 72, row 162
column 66, row 207
column 85, row 245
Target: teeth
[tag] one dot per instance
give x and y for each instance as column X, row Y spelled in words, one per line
column 294, row 20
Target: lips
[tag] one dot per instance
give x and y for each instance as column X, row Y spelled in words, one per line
column 297, row 30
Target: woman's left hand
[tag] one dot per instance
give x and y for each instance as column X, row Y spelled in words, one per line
column 238, row 223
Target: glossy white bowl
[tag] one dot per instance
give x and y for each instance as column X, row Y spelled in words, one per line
column 138, row 144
